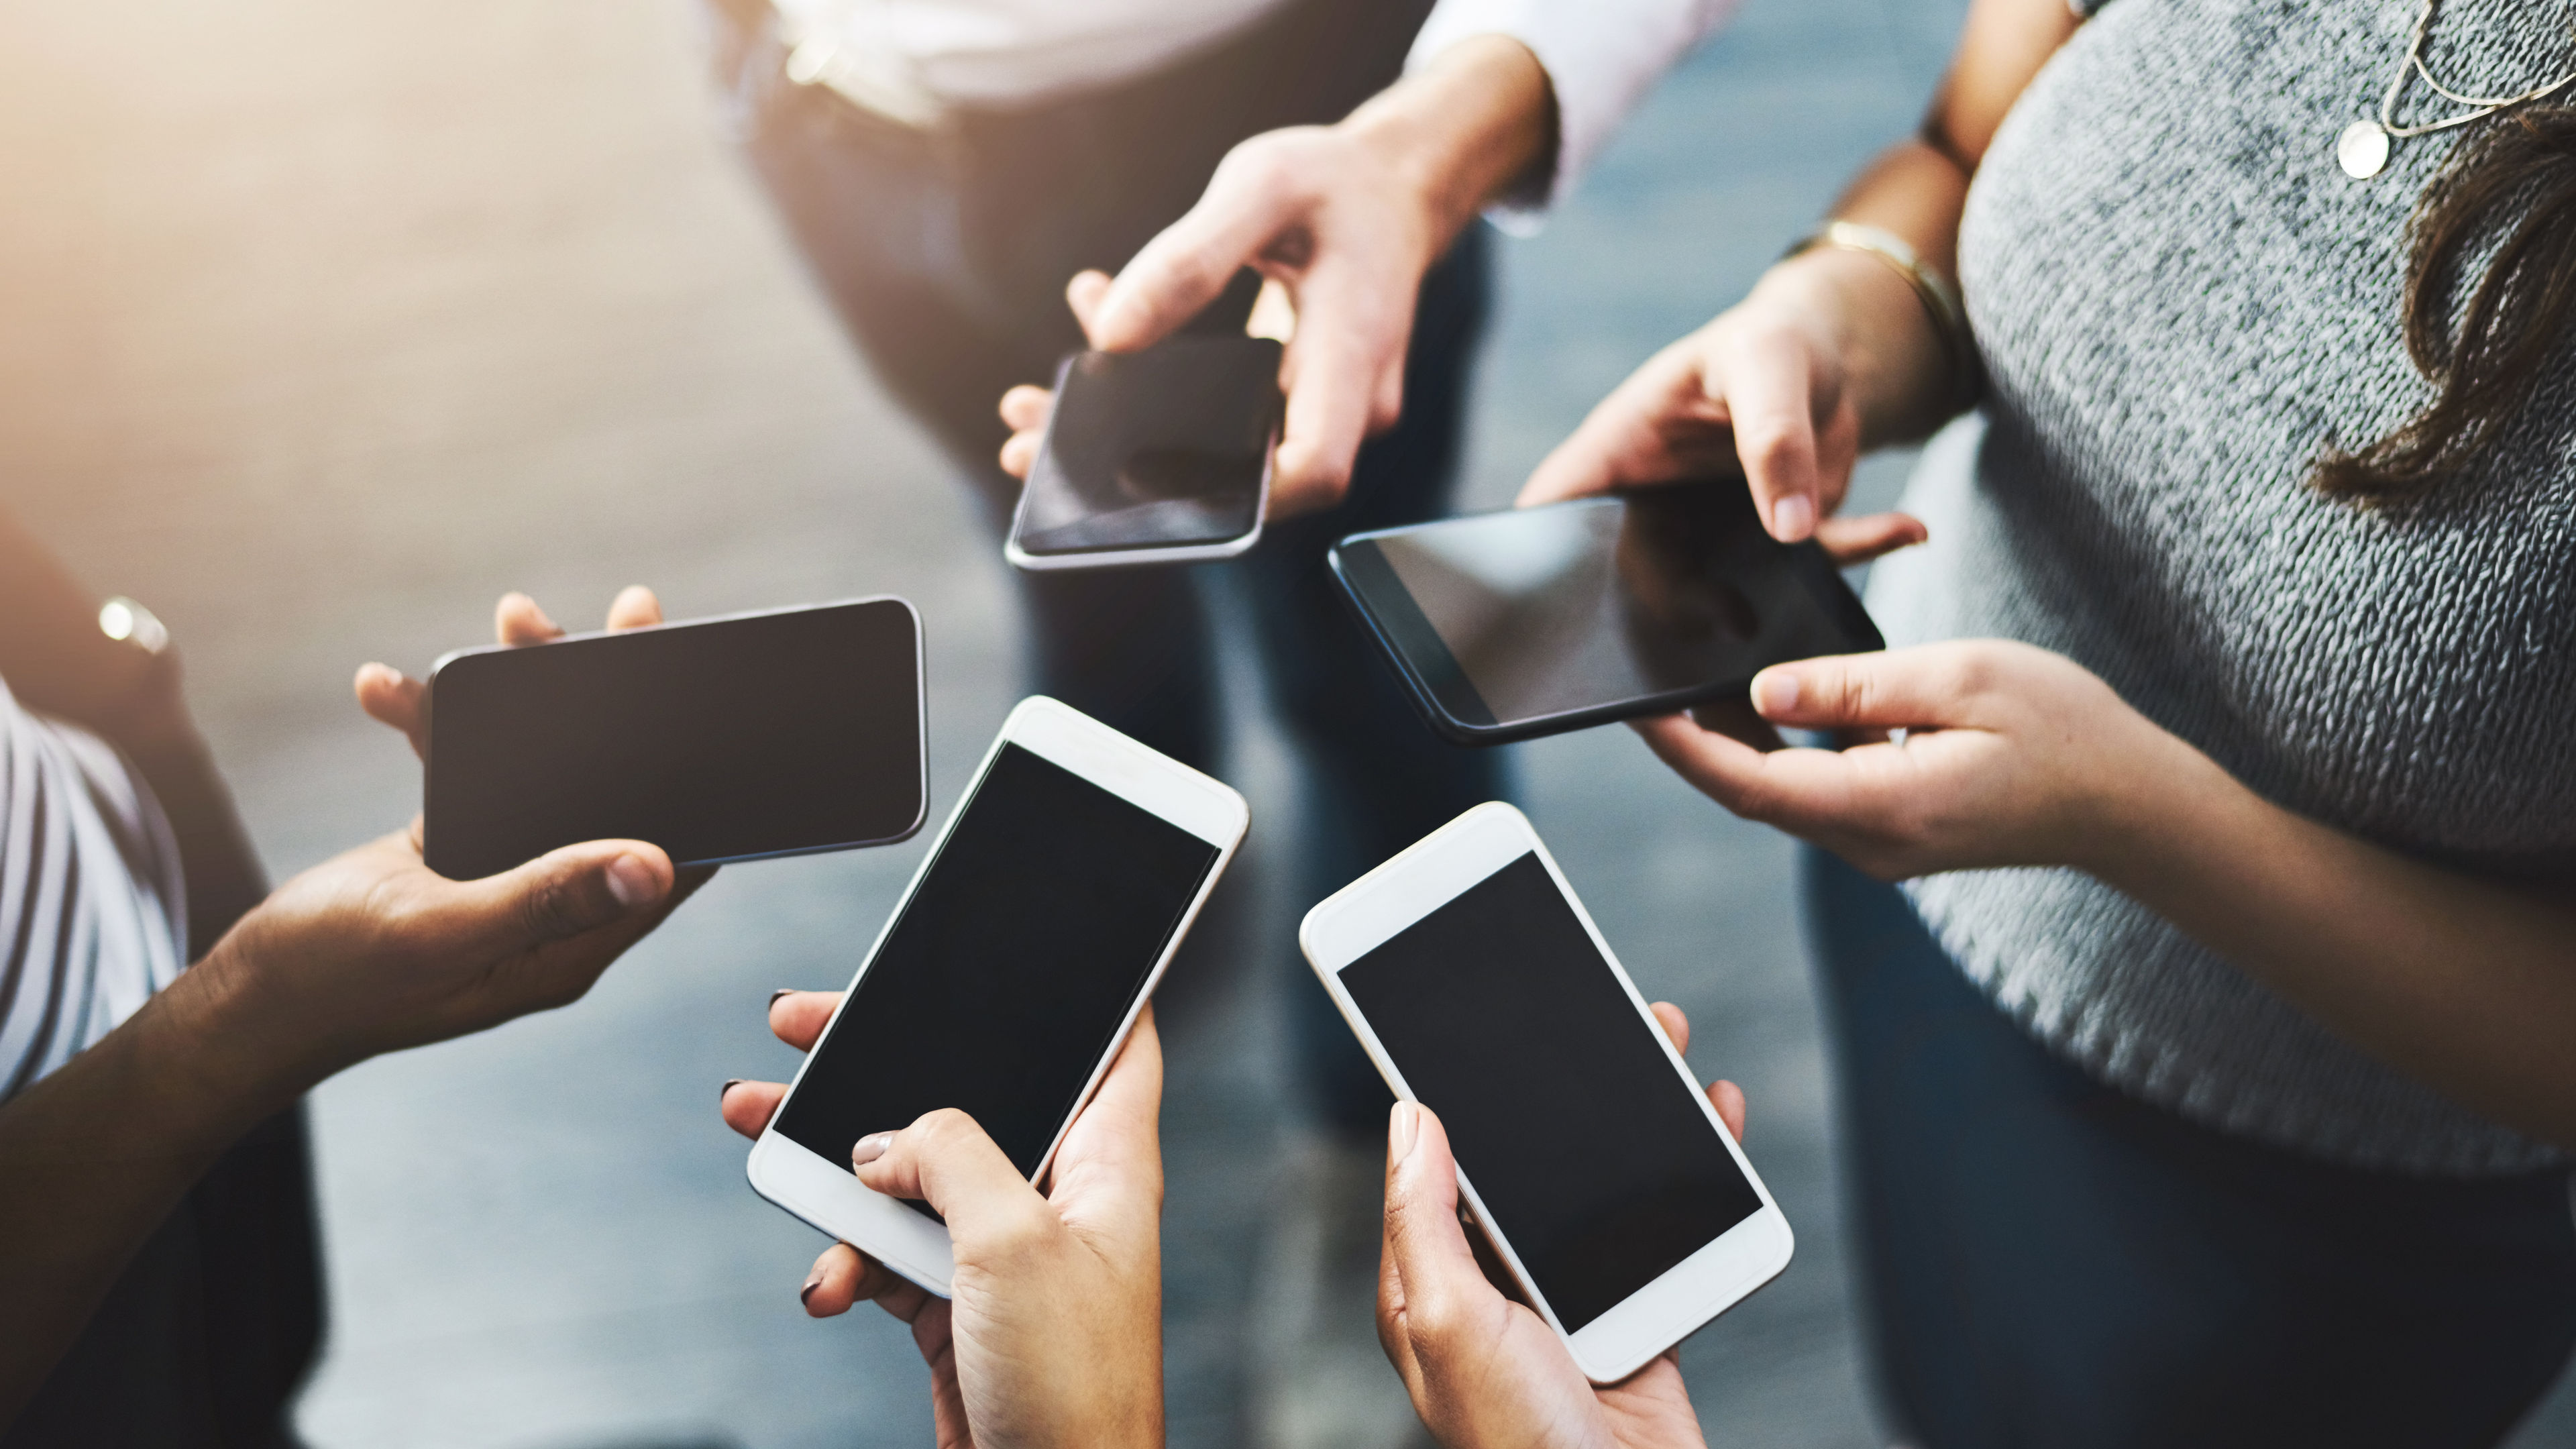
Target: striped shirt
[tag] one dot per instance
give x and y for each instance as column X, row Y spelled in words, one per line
column 93, row 913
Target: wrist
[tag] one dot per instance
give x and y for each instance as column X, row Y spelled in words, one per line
column 1475, row 125
column 2153, row 803
column 1899, row 372
column 244, row 1057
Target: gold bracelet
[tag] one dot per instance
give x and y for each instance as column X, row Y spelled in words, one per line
column 1940, row 299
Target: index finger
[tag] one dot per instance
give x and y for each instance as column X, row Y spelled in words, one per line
column 798, row 1017
column 1187, row 265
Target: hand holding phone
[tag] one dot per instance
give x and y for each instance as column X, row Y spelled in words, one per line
column 1055, row 1334
column 1609, row 1188
column 1480, row 1368
column 1015, row 965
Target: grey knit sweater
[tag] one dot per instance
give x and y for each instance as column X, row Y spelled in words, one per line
column 2180, row 297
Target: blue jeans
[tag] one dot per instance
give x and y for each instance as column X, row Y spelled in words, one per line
column 946, row 257
column 2050, row 1262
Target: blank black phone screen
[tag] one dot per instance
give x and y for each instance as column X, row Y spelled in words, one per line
column 1593, row 1159
column 1155, row 449
column 1670, row 594
column 722, row 740
column 999, row 988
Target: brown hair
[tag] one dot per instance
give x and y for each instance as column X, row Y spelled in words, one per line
column 2514, row 318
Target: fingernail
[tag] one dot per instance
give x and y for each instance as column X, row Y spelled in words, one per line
column 1793, row 518
column 1775, row 692
column 813, row 1281
column 1401, row 1127
column 631, row 881
column 730, row 1084
column 870, row 1148
column 781, row 991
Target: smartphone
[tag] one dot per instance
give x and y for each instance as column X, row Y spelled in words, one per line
column 781, row 732
column 1010, row 975
column 1535, row 621
column 1159, row 456
column 1596, row 1166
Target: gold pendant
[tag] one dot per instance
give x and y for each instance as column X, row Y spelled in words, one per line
column 2362, row 150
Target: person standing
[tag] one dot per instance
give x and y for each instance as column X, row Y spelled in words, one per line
column 949, row 167
column 2207, row 1080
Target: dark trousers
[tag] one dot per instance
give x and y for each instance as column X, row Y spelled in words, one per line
column 2049, row 1262
column 946, row 256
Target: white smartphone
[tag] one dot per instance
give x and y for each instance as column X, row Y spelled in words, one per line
column 1011, row 973
column 1597, row 1167
column 1153, row 457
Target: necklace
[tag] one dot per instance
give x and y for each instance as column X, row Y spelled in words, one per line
column 2363, row 148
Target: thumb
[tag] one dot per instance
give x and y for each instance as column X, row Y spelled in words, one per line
column 945, row 1159
column 1929, row 687
column 565, row 893
column 1424, row 1242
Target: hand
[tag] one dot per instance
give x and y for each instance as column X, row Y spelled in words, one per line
column 2010, row 756
column 1780, row 384
column 1484, row 1370
column 1055, row 1334
column 1341, row 221
column 391, row 697
column 372, row 951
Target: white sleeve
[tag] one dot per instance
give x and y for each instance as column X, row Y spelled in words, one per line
column 1601, row 56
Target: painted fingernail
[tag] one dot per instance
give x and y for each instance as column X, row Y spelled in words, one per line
column 781, row 991
column 1402, row 1126
column 870, row 1148
column 1793, row 518
column 1775, row 692
column 813, row 1281
column 726, row 1089
column 631, row 881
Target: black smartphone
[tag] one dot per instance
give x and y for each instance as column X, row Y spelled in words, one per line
column 1535, row 621
column 1159, row 456
column 776, row 733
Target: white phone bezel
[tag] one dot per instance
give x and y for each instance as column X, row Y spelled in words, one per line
column 1428, row 875
column 828, row 1195
column 1022, row 559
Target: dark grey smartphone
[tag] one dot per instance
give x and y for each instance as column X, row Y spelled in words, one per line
column 1535, row 621
column 776, row 733
column 1159, row 456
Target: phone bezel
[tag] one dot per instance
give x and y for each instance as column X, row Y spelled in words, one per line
column 920, row 718
column 1390, row 628
column 827, row 1195
column 1428, row 875
column 1021, row 558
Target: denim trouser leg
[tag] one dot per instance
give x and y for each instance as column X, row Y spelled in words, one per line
column 2050, row 1262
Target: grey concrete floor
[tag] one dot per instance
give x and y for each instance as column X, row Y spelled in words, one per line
column 322, row 324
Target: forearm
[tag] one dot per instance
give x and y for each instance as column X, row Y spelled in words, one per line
column 2466, row 984
column 1465, row 129
column 94, row 1158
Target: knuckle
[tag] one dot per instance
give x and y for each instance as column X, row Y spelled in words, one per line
column 1027, row 1231
column 1436, row 1319
column 1771, row 444
column 546, row 910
